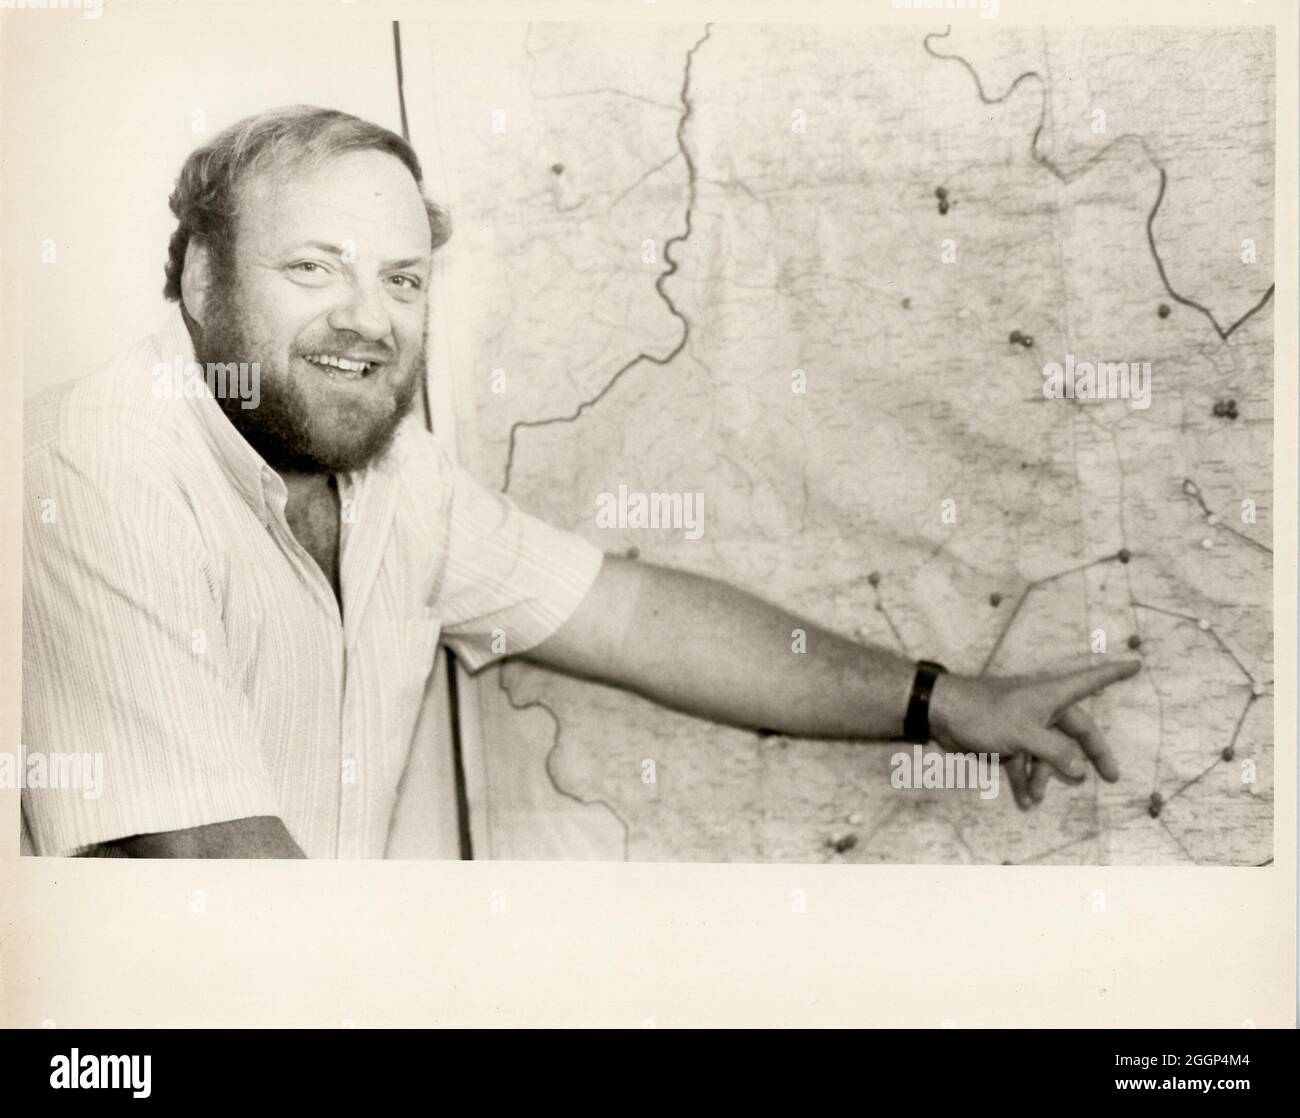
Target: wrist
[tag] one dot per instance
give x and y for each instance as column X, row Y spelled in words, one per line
column 945, row 701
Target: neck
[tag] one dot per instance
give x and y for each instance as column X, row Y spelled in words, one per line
column 305, row 487
column 312, row 510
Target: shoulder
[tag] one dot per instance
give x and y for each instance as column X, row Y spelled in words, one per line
column 110, row 426
column 422, row 457
column 444, row 499
column 126, row 408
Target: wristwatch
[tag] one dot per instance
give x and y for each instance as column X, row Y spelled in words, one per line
column 916, row 723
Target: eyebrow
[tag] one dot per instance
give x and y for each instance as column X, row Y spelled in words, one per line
column 337, row 250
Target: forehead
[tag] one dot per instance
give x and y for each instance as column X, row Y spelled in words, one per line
column 367, row 198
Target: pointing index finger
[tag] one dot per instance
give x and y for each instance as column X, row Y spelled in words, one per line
column 1087, row 681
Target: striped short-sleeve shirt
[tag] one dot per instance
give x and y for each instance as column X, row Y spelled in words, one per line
column 174, row 628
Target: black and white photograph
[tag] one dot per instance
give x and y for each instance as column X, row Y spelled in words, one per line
column 651, row 439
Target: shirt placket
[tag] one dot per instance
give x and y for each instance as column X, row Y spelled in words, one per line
column 352, row 743
column 346, row 769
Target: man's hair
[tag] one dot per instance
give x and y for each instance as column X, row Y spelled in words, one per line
column 206, row 198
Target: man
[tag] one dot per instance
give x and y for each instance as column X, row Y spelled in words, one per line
column 236, row 597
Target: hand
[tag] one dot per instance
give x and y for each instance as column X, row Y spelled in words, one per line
column 1031, row 721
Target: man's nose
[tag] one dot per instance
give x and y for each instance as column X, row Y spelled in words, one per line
column 363, row 314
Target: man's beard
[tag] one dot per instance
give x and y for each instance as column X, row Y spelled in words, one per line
column 281, row 427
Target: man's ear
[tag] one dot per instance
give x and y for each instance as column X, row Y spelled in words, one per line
column 196, row 280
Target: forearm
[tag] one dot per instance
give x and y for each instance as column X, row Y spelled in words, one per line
column 257, row 837
column 712, row 650
column 709, row 649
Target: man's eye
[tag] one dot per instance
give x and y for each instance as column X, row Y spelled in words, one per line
column 411, row 283
column 312, row 268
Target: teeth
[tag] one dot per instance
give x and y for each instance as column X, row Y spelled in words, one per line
column 340, row 363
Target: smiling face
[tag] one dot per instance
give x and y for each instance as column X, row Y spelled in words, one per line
column 327, row 292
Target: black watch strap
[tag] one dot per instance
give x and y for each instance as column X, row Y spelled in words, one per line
column 916, row 724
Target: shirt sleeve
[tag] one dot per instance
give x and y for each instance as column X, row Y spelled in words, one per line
column 510, row 579
column 125, row 669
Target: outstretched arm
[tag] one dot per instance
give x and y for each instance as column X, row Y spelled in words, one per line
column 709, row 649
